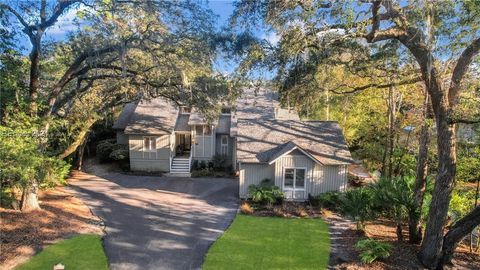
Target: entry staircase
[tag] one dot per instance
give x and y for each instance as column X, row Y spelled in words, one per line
column 180, row 165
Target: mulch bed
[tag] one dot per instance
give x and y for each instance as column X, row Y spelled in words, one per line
column 404, row 255
column 24, row 234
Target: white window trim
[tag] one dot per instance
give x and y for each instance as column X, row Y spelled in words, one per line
column 222, row 145
column 149, row 151
column 294, row 189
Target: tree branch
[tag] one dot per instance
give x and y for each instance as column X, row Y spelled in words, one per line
column 460, row 69
column 376, row 85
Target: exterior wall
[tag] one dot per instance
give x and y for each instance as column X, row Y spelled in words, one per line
column 218, row 146
column 318, row 179
column 203, row 146
column 296, row 161
column 122, row 138
column 253, row 174
column 150, row 161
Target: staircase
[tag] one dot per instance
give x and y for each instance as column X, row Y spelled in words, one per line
column 180, row 165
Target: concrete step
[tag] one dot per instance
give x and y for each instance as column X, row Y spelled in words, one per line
column 177, row 174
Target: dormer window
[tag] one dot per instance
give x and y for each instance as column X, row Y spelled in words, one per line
column 226, row 110
column 185, row 110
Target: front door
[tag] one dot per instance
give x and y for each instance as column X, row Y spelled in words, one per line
column 184, row 144
column 294, row 183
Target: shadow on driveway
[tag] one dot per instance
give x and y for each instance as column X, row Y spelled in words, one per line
column 158, row 222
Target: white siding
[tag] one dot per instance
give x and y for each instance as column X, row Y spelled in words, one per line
column 253, row 174
column 295, row 161
column 143, row 161
column 318, row 178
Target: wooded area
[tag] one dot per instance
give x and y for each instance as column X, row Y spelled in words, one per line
column 402, row 79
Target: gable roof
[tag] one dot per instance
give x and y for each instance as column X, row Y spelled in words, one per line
column 154, row 116
column 125, row 116
column 263, row 140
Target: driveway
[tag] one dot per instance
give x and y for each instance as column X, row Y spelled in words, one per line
column 158, row 222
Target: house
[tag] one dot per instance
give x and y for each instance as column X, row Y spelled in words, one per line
column 259, row 138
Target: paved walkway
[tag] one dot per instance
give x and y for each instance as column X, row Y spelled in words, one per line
column 158, row 222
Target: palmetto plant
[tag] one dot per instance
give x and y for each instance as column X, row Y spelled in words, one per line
column 357, row 205
column 394, row 199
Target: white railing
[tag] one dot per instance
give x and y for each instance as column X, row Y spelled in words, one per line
column 190, row 161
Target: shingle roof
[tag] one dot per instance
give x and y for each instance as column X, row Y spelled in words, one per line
column 125, row 116
column 196, row 118
column 154, row 116
column 262, row 140
column 223, row 125
column 182, row 123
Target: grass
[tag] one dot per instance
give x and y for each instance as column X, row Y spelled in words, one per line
column 271, row 243
column 83, row 251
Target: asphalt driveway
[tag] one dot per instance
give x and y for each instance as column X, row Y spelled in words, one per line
column 158, row 222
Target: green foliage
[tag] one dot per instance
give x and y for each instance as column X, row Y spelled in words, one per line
column 219, row 161
column 468, row 163
column 104, row 149
column 265, row 193
column 329, row 200
column 461, row 203
column 394, row 198
column 195, row 165
column 372, row 250
column 203, row 165
column 23, row 164
column 357, row 204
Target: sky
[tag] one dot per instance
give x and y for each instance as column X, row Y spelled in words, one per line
column 223, row 8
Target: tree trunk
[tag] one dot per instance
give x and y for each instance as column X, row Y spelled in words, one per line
column 34, row 71
column 29, row 200
column 430, row 252
column 461, row 228
column 81, row 151
column 414, row 226
column 80, row 137
column 399, row 232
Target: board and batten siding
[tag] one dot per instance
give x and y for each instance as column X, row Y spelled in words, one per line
column 253, row 174
column 145, row 161
column 318, row 178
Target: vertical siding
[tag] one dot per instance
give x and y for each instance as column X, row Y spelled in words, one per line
column 295, row 161
column 328, row 178
column 159, row 161
column 253, row 174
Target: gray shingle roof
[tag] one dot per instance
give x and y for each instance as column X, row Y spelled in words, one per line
column 182, row 123
column 262, row 140
column 223, row 125
column 154, row 116
column 196, row 118
column 125, row 116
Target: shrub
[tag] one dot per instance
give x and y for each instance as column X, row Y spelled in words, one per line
column 246, row 209
column 202, row 173
column 329, row 200
column 357, row 205
column 119, row 155
column 203, row 165
column 265, row 193
column 104, row 149
column 210, row 165
column 372, row 250
column 195, row 165
column 218, row 162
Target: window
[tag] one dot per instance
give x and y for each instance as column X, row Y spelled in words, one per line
column 199, row 130
column 185, row 110
column 294, row 178
column 207, row 131
column 226, row 110
column 224, row 145
column 149, row 144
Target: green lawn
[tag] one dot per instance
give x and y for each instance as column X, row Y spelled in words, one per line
column 271, row 243
column 80, row 252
